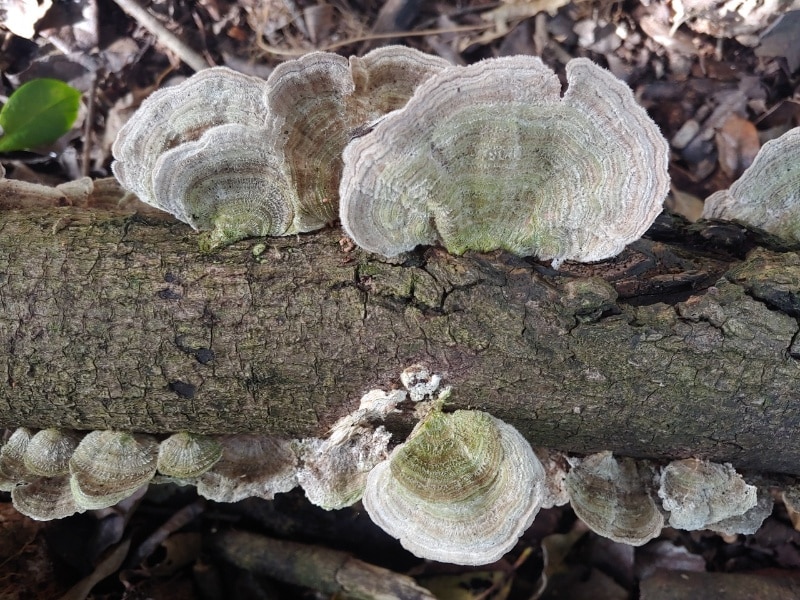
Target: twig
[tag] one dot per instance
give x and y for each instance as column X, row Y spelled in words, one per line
column 165, row 36
column 88, row 125
column 374, row 36
column 322, row 569
column 297, row 17
column 179, row 519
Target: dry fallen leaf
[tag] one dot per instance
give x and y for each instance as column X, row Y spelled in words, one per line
column 737, row 145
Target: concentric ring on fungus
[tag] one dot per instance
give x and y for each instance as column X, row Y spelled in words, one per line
column 461, row 490
column 490, row 156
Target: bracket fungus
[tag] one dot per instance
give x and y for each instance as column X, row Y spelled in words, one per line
column 242, row 156
column 767, row 195
column 48, row 452
column 613, row 498
column 461, row 489
column 109, row 466
column 179, row 114
column 251, row 466
column 491, row 156
column 185, row 455
column 698, row 493
column 12, row 459
column 46, row 498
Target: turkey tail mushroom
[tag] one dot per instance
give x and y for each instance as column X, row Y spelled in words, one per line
column 461, row 489
column 109, row 466
column 613, row 498
column 767, row 195
column 491, row 156
column 242, row 157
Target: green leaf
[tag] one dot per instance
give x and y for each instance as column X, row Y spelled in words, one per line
column 38, row 113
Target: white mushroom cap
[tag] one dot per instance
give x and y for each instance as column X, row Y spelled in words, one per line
column 49, row 451
column 612, row 497
column 186, row 455
column 245, row 157
column 491, row 156
column 698, row 493
column 45, row 498
column 12, row 459
column 251, row 466
column 109, row 466
column 767, row 195
column 462, row 489
column 750, row 521
column 179, row 114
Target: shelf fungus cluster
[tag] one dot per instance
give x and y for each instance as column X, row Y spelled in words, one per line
column 462, row 488
column 630, row 501
column 767, row 195
column 242, row 156
column 55, row 473
column 407, row 150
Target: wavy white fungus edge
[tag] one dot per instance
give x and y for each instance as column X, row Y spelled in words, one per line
column 474, row 532
column 767, row 195
column 399, row 178
column 45, row 498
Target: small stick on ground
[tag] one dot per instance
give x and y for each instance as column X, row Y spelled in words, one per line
column 88, row 126
column 166, row 37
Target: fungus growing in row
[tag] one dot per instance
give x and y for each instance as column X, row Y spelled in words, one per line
column 251, row 466
column 612, row 497
column 244, row 157
column 461, row 489
column 179, row 114
column 109, row 466
column 698, row 493
column 491, row 156
column 750, row 521
column 767, row 195
column 49, row 451
column 12, row 459
column 187, row 455
column 46, row 498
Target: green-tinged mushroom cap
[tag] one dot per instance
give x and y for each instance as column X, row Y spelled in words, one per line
column 491, row 156
column 462, row 489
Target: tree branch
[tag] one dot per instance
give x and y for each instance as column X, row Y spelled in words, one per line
column 110, row 321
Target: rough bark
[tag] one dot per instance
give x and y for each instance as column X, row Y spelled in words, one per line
column 109, row 321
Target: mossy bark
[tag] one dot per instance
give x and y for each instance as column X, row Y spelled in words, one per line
column 120, row 322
